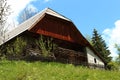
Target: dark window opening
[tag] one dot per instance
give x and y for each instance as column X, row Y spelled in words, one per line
column 95, row 60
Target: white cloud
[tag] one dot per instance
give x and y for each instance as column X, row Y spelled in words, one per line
column 47, row 0
column 16, row 7
column 32, row 8
column 112, row 37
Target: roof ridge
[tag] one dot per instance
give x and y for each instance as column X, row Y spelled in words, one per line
column 55, row 12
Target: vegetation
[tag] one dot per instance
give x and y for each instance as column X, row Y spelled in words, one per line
column 13, row 48
column 100, row 46
column 21, row 70
column 113, row 65
column 88, row 37
column 16, row 47
column 26, row 14
column 4, row 12
column 46, row 46
column 21, row 47
column 118, row 50
column 116, row 63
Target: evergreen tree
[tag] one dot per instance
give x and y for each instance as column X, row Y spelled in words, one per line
column 100, row 46
column 118, row 51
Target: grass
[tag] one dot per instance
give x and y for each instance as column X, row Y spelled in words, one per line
column 21, row 70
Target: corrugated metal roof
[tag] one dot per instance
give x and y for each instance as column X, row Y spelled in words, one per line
column 28, row 24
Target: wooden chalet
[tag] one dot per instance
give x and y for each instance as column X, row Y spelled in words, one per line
column 72, row 46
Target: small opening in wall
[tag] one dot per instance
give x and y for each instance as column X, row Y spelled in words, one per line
column 95, row 60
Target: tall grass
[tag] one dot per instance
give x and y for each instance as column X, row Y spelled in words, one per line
column 21, row 70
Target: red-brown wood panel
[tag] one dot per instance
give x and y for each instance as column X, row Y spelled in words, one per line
column 58, row 28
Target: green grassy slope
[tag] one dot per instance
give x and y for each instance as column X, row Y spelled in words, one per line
column 21, row 70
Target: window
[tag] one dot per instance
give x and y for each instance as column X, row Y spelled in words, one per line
column 95, row 61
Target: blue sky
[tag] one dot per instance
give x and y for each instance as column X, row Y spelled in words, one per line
column 86, row 14
column 103, row 15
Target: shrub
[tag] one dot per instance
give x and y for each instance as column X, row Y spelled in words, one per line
column 16, row 47
column 112, row 66
column 46, row 46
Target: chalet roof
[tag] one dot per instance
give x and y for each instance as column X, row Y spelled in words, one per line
column 28, row 24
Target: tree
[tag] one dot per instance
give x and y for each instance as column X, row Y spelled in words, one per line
column 100, row 46
column 26, row 14
column 88, row 37
column 118, row 50
column 4, row 12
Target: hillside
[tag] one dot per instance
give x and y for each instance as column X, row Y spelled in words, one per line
column 21, row 70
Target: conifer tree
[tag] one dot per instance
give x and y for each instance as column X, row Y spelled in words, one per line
column 100, row 46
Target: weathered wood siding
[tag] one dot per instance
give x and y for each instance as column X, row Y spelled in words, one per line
column 58, row 28
column 70, row 56
column 94, row 60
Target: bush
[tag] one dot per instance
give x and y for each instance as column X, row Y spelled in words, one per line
column 16, row 47
column 46, row 46
column 112, row 66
